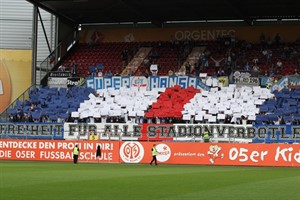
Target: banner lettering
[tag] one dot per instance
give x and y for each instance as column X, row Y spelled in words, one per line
column 197, row 153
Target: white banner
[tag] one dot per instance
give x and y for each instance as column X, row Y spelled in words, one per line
column 140, row 82
column 180, row 132
column 57, row 82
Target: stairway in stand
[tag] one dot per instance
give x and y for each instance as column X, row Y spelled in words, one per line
column 193, row 57
column 136, row 61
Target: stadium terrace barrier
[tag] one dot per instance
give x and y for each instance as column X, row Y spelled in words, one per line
column 32, row 130
column 184, row 132
column 140, row 152
column 229, row 133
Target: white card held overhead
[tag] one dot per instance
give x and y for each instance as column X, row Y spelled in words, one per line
column 186, row 117
column 75, row 114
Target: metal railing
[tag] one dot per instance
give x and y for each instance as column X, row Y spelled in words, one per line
column 56, row 56
column 44, row 67
column 4, row 116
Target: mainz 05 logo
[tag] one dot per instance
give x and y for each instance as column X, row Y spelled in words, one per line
column 131, row 152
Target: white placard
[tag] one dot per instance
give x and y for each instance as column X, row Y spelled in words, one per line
column 97, row 114
column 221, row 116
column 132, row 113
column 153, row 67
column 186, row 117
column 140, row 113
column 212, row 119
column 199, row 117
column 75, row 114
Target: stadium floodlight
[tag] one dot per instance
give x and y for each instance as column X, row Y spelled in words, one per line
column 79, row 27
column 225, row 20
column 204, row 21
column 290, row 20
column 185, row 22
column 144, row 22
column 266, row 20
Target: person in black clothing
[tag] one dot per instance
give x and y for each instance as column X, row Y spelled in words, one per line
column 98, row 153
column 74, row 68
column 188, row 68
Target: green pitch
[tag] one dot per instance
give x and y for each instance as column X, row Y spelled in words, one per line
column 66, row 181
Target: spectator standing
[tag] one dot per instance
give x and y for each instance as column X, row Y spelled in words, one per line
column 75, row 154
column 269, row 42
column 74, row 68
column 298, row 64
column 61, row 68
column 206, row 137
column 262, row 39
column 255, row 61
column 279, row 64
column 98, row 152
column 109, row 73
column 188, row 68
column 255, row 68
column 220, row 72
column 232, row 41
column 277, row 40
column 117, row 73
column 269, row 57
column 154, row 153
column 100, row 73
column 246, row 67
column 170, row 73
column 217, row 62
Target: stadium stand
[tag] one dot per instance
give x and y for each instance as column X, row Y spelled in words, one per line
column 213, row 56
column 49, row 104
column 113, row 56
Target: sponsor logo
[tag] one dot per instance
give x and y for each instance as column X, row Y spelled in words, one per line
column 164, row 152
column 238, row 74
column 55, row 81
column 203, row 34
column 74, row 81
column 131, row 152
column 214, row 152
column 59, row 74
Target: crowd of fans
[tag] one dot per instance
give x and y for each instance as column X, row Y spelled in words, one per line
column 268, row 57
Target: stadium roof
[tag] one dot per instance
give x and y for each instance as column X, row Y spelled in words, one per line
column 163, row 11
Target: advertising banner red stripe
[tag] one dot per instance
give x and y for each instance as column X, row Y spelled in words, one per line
column 140, row 152
column 216, row 153
column 56, row 150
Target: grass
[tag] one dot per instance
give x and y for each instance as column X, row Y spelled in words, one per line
column 21, row 180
